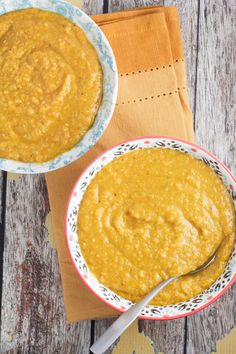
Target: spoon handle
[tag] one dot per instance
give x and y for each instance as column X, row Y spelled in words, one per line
column 120, row 325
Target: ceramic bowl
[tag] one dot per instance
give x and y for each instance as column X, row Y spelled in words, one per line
column 109, row 297
column 110, row 76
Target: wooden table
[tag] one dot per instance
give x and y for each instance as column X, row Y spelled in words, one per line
column 33, row 318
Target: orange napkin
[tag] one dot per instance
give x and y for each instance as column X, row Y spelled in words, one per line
column 152, row 100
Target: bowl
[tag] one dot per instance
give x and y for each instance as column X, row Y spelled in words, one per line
column 106, row 295
column 110, row 86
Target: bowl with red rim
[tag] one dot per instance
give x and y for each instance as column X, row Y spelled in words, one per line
column 102, row 292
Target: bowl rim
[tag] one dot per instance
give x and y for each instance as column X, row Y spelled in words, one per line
column 171, row 317
column 107, row 105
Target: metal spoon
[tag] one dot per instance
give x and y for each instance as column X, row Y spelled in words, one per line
column 123, row 322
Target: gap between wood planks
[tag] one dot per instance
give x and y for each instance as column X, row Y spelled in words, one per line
column 3, row 189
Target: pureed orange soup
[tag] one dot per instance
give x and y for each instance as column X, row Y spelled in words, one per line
column 151, row 214
column 50, row 85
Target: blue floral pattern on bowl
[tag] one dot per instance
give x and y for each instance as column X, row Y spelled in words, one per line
column 105, row 294
column 107, row 60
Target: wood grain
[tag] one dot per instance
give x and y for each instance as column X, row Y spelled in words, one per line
column 188, row 14
column 215, row 109
column 2, row 225
column 1, row 189
column 33, row 316
column 120, row 5
column 167, row 336
column 215, row 130
column 93, row 7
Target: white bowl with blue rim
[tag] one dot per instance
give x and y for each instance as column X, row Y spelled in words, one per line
column 110, row 83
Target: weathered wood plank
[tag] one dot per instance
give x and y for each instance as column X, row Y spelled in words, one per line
column 119, row 5
column 2, row 214
column 93, row 7
column 167, row 336
column 188, row 13
column 1, row 188
column 33, row 315
column 211, row 324
column 216, row 125
column 216, row 130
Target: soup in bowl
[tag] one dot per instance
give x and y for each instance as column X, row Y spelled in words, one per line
column 149, row 209
column 58, row 85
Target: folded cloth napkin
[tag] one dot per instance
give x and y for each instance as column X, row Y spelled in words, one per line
column 152, row 100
